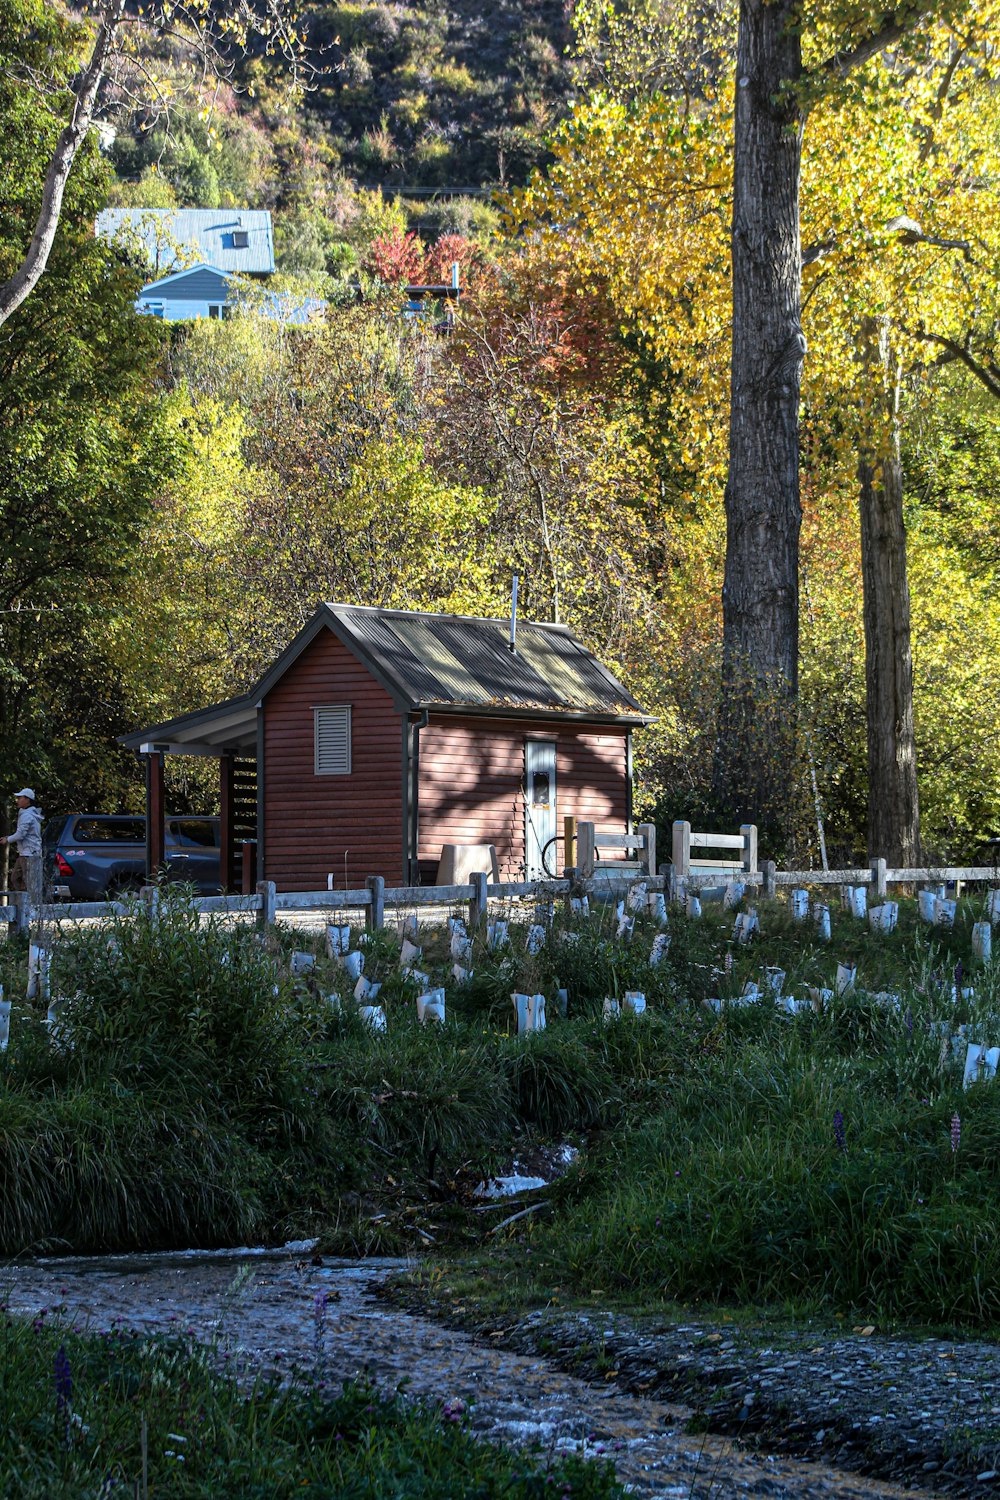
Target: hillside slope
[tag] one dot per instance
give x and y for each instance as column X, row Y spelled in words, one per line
column 432, row 106
column 438, row 96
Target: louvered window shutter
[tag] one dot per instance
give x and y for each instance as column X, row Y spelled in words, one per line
column 333, row 741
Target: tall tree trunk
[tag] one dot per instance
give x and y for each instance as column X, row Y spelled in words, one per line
column 763, row 514
column 893, row 808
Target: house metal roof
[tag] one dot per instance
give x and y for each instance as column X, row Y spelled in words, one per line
column 174, row 238
column 446, row 663
column 462, row 662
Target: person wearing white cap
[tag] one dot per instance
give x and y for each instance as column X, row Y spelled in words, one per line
column 27, row 872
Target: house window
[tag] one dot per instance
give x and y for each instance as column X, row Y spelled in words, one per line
column 215, row 310
column 541, row 791
column 333, row 740
column 241, row 239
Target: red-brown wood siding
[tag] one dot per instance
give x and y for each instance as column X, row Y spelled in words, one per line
column 472, row 782
column 312, row 823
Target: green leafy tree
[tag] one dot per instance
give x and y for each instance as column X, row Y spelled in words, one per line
column 83, row 453
column 336, row 499
column 62, row 70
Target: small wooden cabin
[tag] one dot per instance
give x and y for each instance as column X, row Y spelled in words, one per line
column 380, row 735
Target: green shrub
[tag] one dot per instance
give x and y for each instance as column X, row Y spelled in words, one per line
column 558, row 1084
column 156, row 1002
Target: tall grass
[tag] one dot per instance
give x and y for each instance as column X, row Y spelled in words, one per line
column 106, row 1169
column 733, row 1181
column 167, row 1104
column 741, row 1194
column 196, row 1093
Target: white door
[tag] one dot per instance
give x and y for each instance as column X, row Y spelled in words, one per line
column 540, row 809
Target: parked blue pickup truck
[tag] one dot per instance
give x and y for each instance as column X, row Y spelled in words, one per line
column 91, row 855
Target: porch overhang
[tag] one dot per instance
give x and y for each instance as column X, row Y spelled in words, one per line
column 228, row 728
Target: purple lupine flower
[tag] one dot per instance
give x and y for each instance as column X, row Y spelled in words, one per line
column 64, row 1392
column 956, row 1131
column 63, row 1380
column 839, row 1134
column 453, row 1411
column 909, row 1020
column 959, row 971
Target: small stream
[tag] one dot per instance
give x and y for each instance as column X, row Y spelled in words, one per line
column 259, row 1308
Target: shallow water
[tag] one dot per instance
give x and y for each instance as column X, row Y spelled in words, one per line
column 259, row 1309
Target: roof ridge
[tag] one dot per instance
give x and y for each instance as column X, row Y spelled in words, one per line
column 502, row 622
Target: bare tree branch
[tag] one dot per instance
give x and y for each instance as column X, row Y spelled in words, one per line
column 893, row 28
column 987, row 374
column 24, row 280
column 910, row 233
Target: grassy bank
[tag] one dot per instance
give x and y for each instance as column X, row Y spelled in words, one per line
column 86, row 1416
column 197, row 1093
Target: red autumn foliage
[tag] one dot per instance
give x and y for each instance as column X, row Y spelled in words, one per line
column 396, row 258
column 442, row 255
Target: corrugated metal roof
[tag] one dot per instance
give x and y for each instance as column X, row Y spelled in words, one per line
column 176, row 237
column 447, row 670
column 459, row 661
column 381, row 645
column 430, row 661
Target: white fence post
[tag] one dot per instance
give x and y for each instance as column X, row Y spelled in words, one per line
column 681, row 851
column 770, row 870
column 879, row 883
column 749, row 832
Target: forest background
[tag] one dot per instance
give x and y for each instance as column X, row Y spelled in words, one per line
column 174, row 501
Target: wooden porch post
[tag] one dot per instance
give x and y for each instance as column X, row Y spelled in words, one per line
column 156, row 814
column 569, row 842
column 227, row 848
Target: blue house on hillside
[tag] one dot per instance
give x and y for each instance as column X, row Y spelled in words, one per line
column 195, row 253
column 201, row 291
column 206, row 292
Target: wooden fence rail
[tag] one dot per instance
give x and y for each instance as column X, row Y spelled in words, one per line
column 743, row 843
column 592, row 876
column 373, row 899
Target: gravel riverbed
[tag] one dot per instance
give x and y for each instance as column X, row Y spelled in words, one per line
column 258, row 1310
column 920, row 1412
